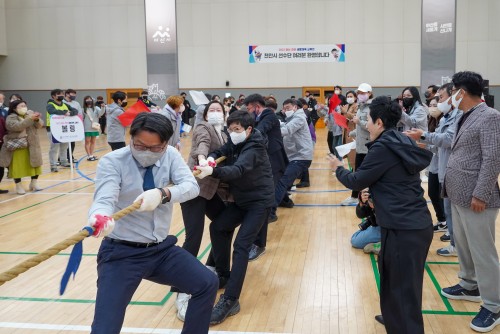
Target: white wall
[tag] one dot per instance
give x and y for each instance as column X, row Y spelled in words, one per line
column 82, row 44
column 3, row 30
column 382, row 40
column 478, row 38
column 96, row 44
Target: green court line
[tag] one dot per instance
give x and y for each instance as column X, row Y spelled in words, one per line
column 446, row 302
column 91, row 301
column 375, row 271
column 48, row 200
column 438, row 289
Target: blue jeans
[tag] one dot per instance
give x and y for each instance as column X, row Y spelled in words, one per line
column 449, row 220
column 293, row 171
column 362, row 238
column 121, row 268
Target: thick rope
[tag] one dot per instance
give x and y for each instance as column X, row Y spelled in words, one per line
column 56, row 249
column 218, row 161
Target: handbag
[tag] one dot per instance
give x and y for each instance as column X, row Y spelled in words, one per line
column 95, row 125
column 16, row 143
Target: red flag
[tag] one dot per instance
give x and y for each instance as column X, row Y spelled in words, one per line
column 129, row 115
column 333, row 103
column 340, row 119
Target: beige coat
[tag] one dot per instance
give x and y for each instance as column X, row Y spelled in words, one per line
column 16, row 127
column 206, row 140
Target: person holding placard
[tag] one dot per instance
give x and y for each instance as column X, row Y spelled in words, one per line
column 55, row 106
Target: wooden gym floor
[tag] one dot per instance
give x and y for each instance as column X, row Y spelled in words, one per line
column 310, row 280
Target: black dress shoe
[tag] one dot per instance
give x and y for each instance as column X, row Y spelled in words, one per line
column 4, row 191
column 255, row 252
column 380, row 319
column 288, row 204
column 303, row 185
column 224, row 308
column 272, row 218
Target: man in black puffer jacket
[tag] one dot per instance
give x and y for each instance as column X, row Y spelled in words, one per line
column 392, row 171
column 247, row 170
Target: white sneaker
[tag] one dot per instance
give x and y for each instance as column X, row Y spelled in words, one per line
column 349, row 201
column 19, row 189
column 181, row 303
column 447, row 251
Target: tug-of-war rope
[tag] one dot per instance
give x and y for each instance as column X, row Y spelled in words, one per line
column 74, row 240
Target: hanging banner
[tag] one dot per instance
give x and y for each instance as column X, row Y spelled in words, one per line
column 438, row 47
column 327, row 53
column 161, row 49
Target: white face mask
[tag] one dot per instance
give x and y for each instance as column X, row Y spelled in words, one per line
column 238, row 137
column 22, row 111
column 182, row 108
column 145, row 158
column 215, row 118
column 337, row 92
column 455, row 103
column 350, row 100
column 289, row 113
column 444, row 107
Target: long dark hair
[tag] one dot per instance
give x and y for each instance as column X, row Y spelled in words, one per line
column 414, row 92
column 85, row 107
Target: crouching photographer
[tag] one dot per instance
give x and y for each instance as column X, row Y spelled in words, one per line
column 368, row 237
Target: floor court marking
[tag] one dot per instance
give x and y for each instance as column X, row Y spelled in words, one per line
column 77, row 328
column 449, row 309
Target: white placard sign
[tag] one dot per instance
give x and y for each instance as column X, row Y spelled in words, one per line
column 66, row 129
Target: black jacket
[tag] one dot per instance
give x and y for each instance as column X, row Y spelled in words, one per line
column 391, row 169
column 247, row 171
column 269, row 126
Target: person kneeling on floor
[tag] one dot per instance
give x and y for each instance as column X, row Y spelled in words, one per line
column 368, row 237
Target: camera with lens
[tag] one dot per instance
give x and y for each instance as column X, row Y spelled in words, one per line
column 367, row 222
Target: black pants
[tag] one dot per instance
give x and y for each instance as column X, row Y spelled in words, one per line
column 221, row 234
column 357, row 162
column 401, row 264
column 72, row 151
column 261, row 239
column 102, row 122
column 329, row 139
column 117, row 145
column 193, row 214
column 434, row 190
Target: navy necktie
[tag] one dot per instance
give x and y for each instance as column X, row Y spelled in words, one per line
column 149, row 181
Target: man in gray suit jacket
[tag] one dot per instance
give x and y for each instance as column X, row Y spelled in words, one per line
column 471, row 183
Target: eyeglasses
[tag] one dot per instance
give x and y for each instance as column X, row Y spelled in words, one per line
column 154, row 149
column 454, row 90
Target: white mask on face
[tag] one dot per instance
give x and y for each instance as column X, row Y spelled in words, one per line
column 22, row 111
column 237, row 138
column 455, row 103
column 182, row 108
column 289, row 113
column 145, row 158
column 337, row 92
column 444, row 107
column 215, row 118
column 350, row 100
